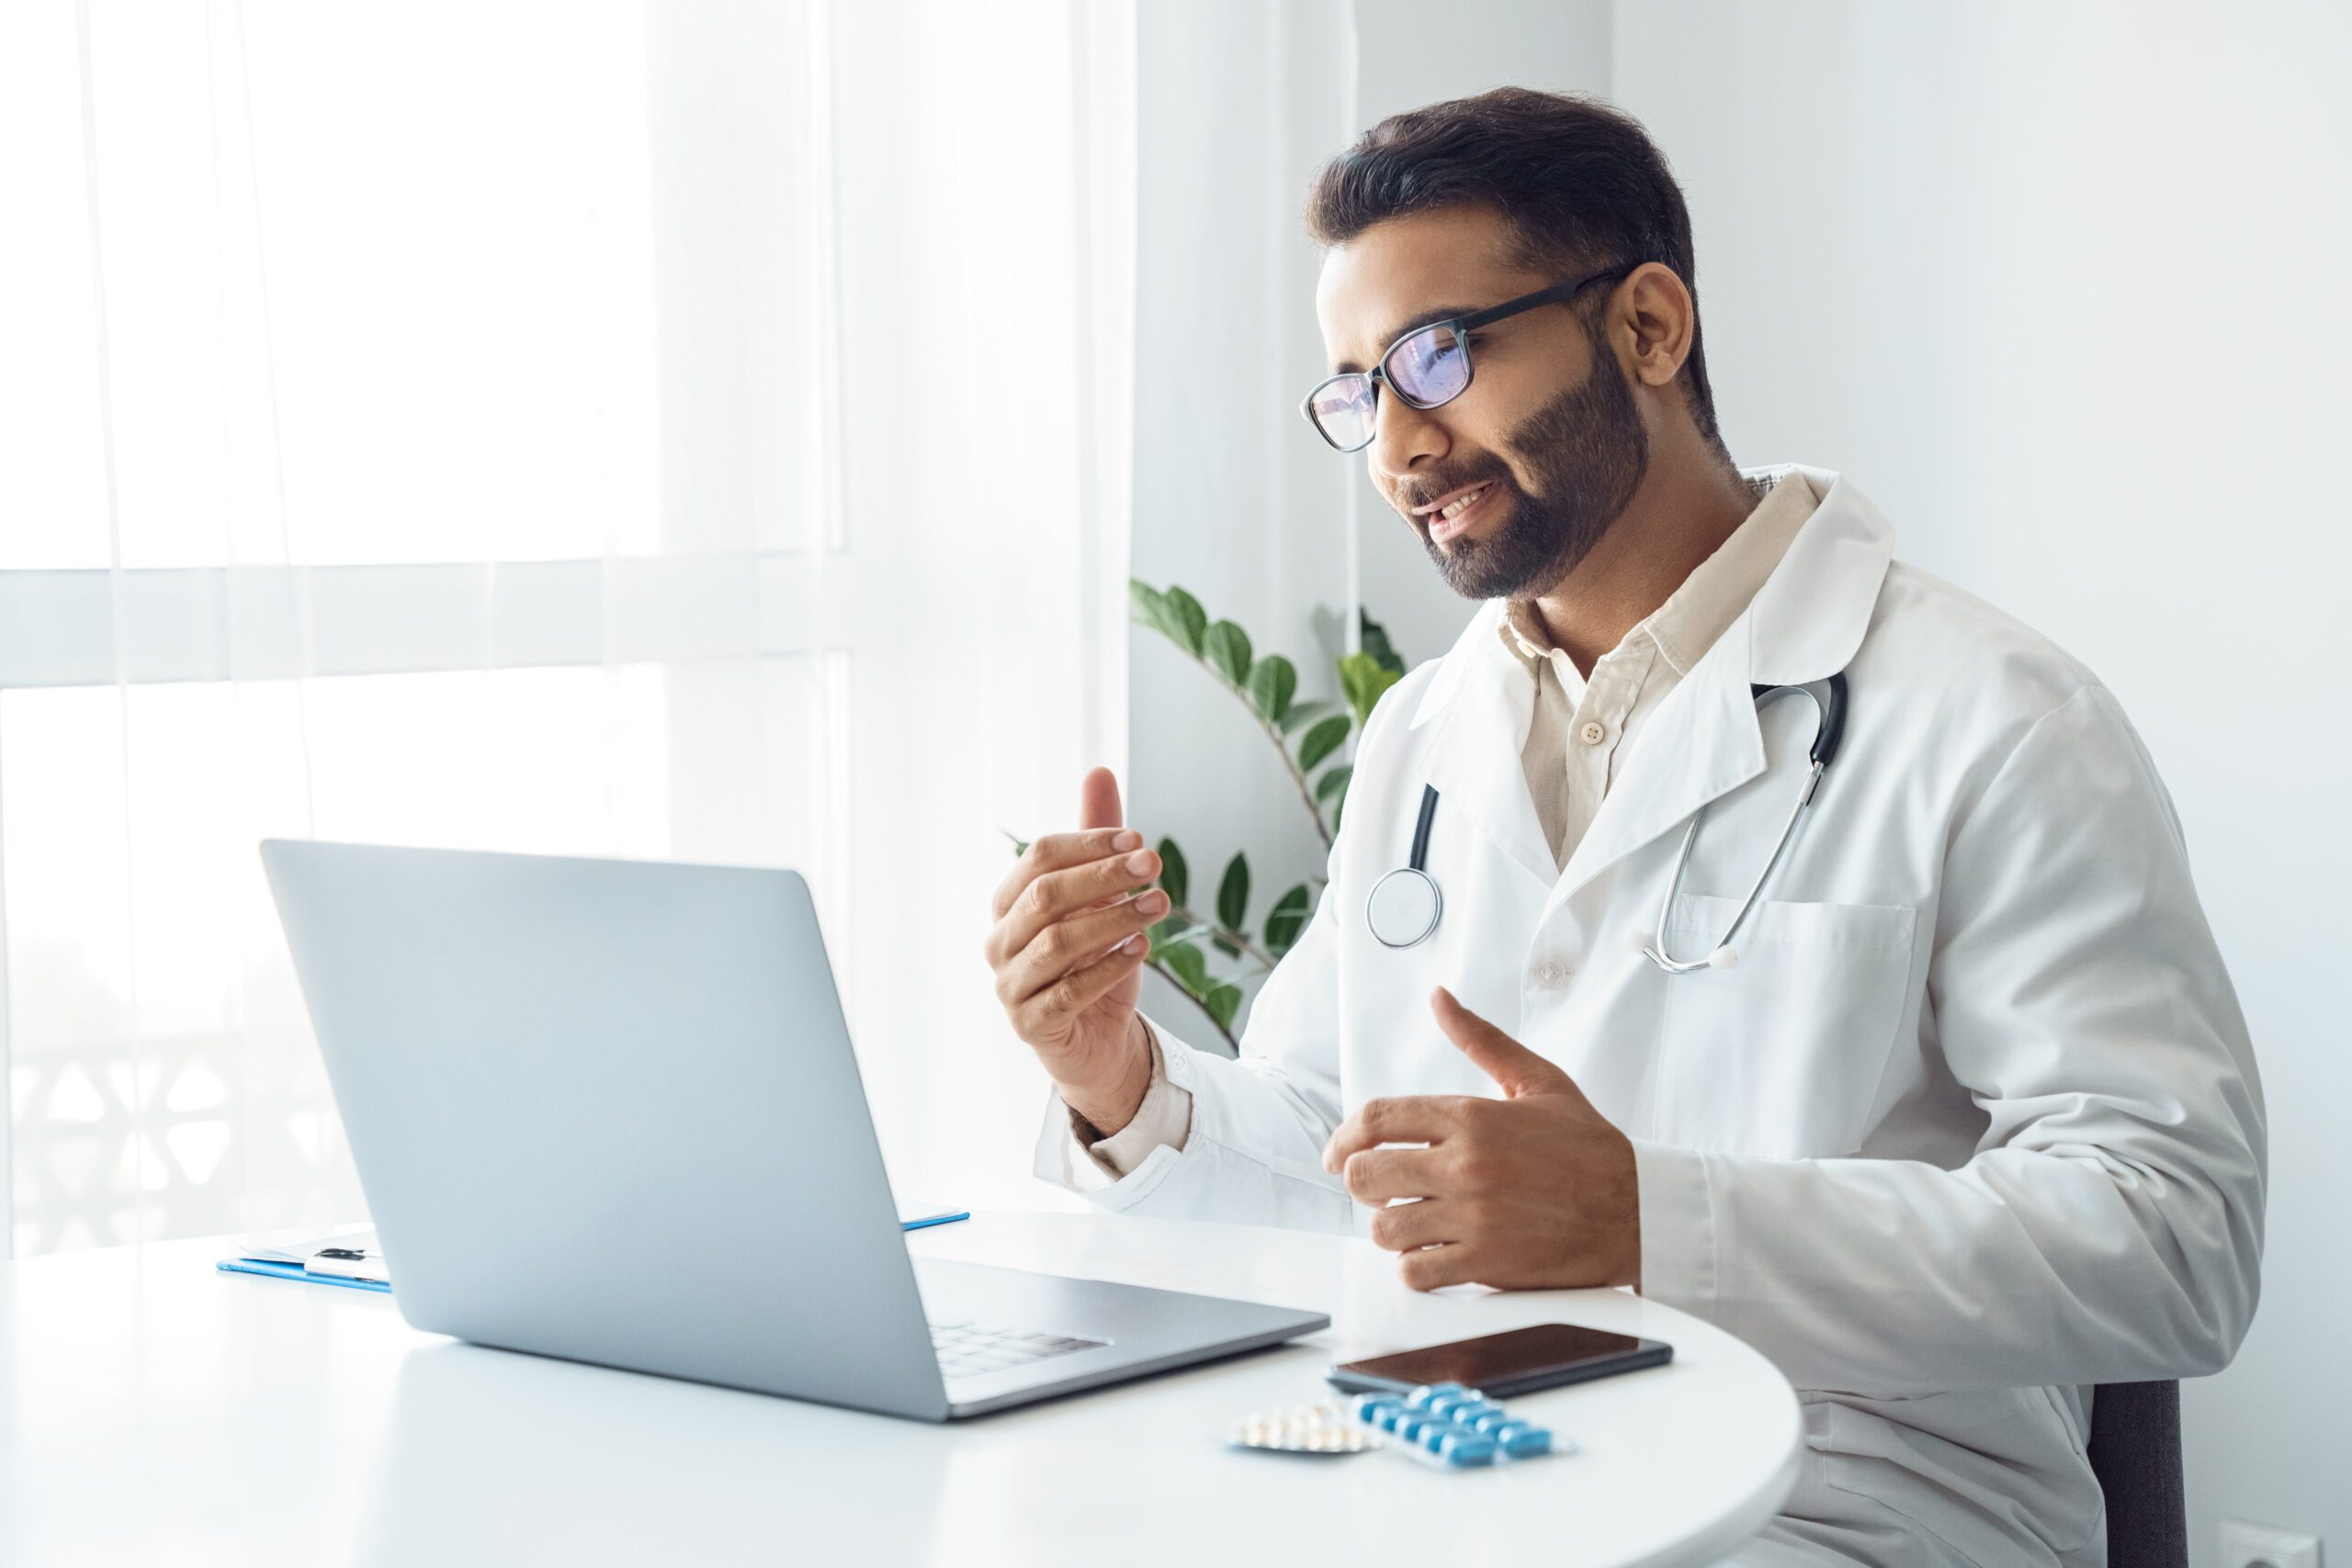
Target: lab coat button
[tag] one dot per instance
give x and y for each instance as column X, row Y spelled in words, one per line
column 1593, row 732
column 1551, row 973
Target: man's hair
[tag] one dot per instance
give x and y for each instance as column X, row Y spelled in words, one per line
column 1579, row 182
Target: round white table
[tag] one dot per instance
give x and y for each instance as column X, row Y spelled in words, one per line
column 153, row 1410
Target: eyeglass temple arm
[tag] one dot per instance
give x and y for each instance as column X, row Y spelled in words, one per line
column 1559, row 293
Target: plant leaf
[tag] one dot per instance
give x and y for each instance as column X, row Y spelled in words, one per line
column 1373, row 637
column 1364, row 679
column 1301, row 712
column 1190, row 966
column 1334, row 783
column 1226, row 945
column 1223, row 1002
column 1233, row 894
column 1226, row 647
column 1190, row 621
column 1321, row 741
column 1286, row 919
column 1146, row 605
column 1272, row 685
column 1174, row 876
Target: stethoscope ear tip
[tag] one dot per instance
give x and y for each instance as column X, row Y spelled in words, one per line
column 1725, row 957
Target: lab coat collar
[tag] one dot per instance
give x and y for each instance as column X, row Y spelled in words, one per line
column 1804, row 624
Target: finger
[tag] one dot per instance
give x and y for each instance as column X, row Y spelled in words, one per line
column 1432, row 1222
column 1069, row 946
column 1054, row 851
column 1519, row 1070
column 1434, row 1268
column 1098, row 799
column 1377, row 1176
column 1054, row 1007
column 1402, row 1119
column 1059, row 895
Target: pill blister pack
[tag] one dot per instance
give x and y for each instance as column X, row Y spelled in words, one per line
column 1443, row 1425
column 1325, row 1428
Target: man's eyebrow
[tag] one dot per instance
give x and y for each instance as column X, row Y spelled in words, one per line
column 1427, row 318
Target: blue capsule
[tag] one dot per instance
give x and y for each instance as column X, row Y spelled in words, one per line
column 1466, row 1448
column 1526, row 1442
column 1370, row 1407
column 1419, row 1398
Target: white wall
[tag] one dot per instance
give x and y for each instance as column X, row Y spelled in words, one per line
column 2062, row 289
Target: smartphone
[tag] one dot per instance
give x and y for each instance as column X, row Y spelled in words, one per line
column 1519, row 1360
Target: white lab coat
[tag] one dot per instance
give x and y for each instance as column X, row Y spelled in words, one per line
column 1973, row 1123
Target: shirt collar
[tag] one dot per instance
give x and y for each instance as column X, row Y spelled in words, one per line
column 1715, row 593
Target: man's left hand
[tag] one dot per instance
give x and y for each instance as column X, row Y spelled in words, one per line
column 1532, row 1191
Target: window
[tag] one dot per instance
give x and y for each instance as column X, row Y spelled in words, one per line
column 534, row 426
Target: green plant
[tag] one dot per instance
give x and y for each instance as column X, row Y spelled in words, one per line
column 1307, row 735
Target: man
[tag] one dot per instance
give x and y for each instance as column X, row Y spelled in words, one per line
column 1955, row 1116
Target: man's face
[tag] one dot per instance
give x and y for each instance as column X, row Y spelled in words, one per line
column 1548, row 425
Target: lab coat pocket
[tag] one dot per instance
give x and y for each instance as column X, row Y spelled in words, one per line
column 1780, row 1054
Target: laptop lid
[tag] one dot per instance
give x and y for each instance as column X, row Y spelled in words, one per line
column 608, row 1110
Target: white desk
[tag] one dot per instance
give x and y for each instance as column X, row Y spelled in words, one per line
column 154, row 1411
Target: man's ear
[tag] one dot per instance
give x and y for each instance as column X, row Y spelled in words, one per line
column 1664, row 319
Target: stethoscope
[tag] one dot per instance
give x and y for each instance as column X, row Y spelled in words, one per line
column 1404, row 906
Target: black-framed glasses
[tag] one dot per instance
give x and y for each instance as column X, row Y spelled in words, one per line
column 1427, row 367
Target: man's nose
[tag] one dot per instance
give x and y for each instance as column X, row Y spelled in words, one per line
column 1403, row 438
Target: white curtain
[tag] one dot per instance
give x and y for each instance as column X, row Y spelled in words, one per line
column 676, row 430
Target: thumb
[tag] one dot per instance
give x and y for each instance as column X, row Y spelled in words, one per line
column 1098, row 799
column 1519, row 1070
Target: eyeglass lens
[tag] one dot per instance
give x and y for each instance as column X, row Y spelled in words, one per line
column 1427, row 367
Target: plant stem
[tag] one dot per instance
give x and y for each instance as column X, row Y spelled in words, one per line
column 1265, row 960
column 1169, row 975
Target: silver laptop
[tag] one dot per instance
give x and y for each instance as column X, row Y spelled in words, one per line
column 608, row 1111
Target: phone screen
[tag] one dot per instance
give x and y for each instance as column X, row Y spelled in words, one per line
column 1540, row 1356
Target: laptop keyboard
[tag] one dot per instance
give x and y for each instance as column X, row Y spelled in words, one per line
column 967, row 1349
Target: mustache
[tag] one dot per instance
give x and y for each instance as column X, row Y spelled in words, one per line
column 1423, row 491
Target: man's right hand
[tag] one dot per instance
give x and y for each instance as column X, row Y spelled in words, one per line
column 1067, row 948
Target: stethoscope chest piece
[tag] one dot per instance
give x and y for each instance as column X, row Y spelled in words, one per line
column 1404, row 907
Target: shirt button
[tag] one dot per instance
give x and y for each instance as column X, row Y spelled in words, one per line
column 1551, row 973
column 1593, row 733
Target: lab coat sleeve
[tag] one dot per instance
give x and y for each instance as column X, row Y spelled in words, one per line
column 1254, row 1152
column 2108, row 1227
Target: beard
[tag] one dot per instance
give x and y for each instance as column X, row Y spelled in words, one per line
column 1587, row 453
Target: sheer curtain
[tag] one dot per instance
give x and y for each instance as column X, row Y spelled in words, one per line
column 673, row 430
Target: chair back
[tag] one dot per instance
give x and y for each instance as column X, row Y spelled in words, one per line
column 2135, row 1453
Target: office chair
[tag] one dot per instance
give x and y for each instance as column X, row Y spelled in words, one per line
column 2135, row 1453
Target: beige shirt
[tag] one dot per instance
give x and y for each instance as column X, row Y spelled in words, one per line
column 1580, row 727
